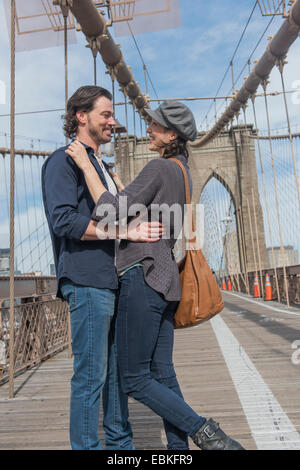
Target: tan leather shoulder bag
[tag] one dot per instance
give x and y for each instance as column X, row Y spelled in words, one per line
column 201, row 297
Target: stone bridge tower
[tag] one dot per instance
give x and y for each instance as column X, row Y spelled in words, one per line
column 230, row 158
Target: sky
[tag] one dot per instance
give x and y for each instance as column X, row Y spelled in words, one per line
column 188, row 61
column 182, row 62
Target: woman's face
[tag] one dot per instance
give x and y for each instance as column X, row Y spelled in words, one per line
column 160, row 136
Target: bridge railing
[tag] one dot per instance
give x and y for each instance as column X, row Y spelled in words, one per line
column 41, row 329
column 245, row 283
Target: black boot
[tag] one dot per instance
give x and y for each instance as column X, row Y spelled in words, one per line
column 211, row 437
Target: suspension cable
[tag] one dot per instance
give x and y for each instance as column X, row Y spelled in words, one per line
column 65, row 11
column 251, row 55
column 281, row 66
column 33, row 194
column 257, row 244
column 27, row 207
column 12, row 204
column 234, row 54
column 140, row 54
column 266, row 201
column 264, row 84
column 244, row 107
column 45, row 224
column 20, row 232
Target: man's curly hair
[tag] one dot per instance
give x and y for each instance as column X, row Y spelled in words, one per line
column 82, row 100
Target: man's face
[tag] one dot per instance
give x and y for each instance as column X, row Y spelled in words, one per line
column 100, row 121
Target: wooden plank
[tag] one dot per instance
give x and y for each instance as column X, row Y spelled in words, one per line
column 38, row 418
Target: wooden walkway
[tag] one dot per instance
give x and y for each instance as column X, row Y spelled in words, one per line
column 237, row 368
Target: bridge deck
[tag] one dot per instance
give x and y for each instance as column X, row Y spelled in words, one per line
column 237, row 368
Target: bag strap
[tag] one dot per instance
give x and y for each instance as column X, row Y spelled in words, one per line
column 186, row 180
column 188, row 201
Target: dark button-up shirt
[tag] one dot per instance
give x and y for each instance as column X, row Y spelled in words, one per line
column 69, row 207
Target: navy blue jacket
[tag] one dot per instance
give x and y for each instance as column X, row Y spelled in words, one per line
column 68, row 207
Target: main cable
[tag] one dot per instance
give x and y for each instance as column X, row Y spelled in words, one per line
column 140, row 54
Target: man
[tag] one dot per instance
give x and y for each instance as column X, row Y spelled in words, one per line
column 86, row 274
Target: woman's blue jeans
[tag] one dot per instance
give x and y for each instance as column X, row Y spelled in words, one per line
column 145, row 336
column 95, row 370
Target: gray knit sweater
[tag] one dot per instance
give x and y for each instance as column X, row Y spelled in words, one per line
column 161, row 182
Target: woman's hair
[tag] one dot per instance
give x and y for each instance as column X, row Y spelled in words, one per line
column 82, row 100
column 177, row 147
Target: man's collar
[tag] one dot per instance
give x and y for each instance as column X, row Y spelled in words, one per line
column 88, row 148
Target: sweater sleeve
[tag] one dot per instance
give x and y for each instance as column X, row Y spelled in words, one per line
column 133, row 199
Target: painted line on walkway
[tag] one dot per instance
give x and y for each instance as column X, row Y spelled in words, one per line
column 271, row 428
column 262, row 304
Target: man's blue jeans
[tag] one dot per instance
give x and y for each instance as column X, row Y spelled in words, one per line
column 145, row 335
column 92, row 314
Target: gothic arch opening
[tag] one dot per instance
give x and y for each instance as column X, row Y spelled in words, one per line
column 221, row 240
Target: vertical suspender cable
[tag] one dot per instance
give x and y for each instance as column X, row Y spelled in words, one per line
column 241, row 260
column 280, row 66
column 232, row 76
column 146, row 138
column 94, row 52
column 92, row 44
column 20, row 231
column 266, row 200
column 95, row 69
column 6, row 185
column 142, row 137
column 215, row 110
column 257, row 243
column 241, row 224
column 126, row 120
column 146, row 82
column 134, row 129
column 264, row 84
column 65, row 11
column 114, row 105
column 265, row 197
column 240, row 219
column 12, row 202
column 130, row 162
column 35, row 206
column 255, row 219
column 252, row 238
column 27, row 211
column 45, row 231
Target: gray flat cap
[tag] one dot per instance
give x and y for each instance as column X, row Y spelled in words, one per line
column 176, row 116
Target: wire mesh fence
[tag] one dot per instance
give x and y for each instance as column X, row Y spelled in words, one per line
column 41, row 329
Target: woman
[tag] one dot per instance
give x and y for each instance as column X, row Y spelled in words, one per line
column 149, row 281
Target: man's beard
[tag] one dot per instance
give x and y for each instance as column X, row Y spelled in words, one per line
column 98, row 137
